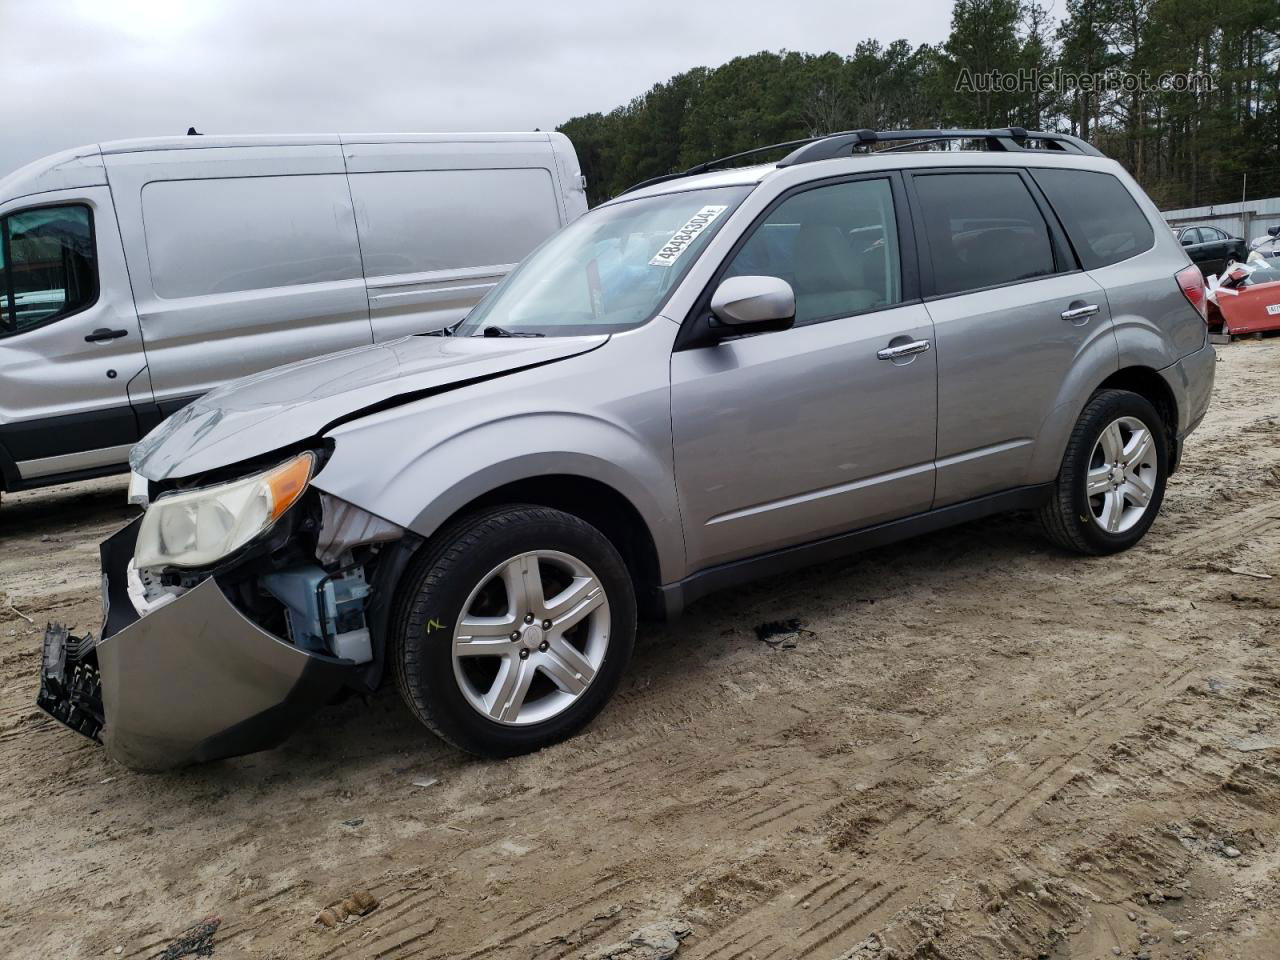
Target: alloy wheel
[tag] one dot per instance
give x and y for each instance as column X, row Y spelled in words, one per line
column 1123, row 471
column 531, row 637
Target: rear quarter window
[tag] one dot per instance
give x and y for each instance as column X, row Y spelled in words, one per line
column 1102, row 220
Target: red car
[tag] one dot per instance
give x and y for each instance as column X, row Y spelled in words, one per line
column 1246, row 299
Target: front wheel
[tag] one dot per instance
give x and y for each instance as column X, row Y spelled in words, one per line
column 1113, row 474
column 514, row 630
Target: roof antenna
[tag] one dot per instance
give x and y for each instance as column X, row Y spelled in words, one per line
column 193, row 132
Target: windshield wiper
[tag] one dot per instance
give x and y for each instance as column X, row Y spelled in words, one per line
column 503, row 332
column 446, row 331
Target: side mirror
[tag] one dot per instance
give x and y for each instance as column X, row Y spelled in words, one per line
column 1186, row 241
column 1273, row 231
column 753, row 305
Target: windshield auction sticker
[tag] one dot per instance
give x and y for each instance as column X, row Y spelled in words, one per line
column 680, row 240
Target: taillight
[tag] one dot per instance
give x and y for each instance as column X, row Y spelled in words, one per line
column 1191, row 283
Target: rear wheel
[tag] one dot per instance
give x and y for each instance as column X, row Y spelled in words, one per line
column 514, row 630
column 1112, row 479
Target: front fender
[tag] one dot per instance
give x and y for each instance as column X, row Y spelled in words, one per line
column 511, row 451
column 419, row 464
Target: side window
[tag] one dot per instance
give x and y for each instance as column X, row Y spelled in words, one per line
column 248, row 233
column 48, row 266
column 984, row 229
column 420, row 221
column 1191, row 235
column 836, row 245
column 1102, row 220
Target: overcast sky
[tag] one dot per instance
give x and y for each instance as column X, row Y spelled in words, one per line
column 83, row 71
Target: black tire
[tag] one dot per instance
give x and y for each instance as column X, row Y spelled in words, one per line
column 430, row 603
column 1067, row 517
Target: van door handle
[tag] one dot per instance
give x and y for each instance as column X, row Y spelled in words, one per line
column 1080, row 313
column 105, row 333
column 903, row 350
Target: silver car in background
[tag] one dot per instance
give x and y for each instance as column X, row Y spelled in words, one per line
column 138, row 274
column 718, row 376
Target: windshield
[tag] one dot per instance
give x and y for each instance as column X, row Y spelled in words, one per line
column 607, row 271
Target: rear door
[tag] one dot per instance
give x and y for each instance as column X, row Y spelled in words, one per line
column 69, row 343
column 1012, row 313
column 1226, row 247
column 242, row 259
column 440, row 223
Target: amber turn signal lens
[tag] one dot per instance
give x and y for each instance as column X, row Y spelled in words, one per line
column 288, row 481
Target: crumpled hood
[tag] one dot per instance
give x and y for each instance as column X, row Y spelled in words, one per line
column 253, row 416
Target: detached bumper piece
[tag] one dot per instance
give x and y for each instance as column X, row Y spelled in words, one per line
column 194, row 680
column 70, row 685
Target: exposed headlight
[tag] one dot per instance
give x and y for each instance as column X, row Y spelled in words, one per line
column 198, row 527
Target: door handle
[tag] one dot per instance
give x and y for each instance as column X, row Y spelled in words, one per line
column 104, row 333
column 1080, row 313
column 903, row 350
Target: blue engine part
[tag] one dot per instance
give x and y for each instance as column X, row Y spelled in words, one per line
column 325, row 611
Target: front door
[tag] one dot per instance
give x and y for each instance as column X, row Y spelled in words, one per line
column 787, row 437
column 69, row 343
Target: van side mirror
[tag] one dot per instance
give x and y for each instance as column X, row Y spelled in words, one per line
column 753, row 305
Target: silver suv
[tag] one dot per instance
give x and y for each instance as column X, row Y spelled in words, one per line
column 717, row 376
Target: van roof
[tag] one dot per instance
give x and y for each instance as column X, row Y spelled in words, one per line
column 83, row 166
column 309, row 139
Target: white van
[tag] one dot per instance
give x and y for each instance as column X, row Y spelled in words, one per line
column 137, row 275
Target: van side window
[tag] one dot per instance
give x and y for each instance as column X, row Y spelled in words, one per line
column 836, row 245
column 48, row 266
column 248, row 233
column 1102, row 220
column 984, row 229
column 493, row 216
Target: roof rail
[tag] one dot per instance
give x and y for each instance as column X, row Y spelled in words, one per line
column 846, row 143
column 712, row 164
column 1009, row 138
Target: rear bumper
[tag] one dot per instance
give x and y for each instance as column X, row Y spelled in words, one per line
column 1191, row 380
column 192, row 681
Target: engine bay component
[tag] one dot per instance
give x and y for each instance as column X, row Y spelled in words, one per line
column 324, row 611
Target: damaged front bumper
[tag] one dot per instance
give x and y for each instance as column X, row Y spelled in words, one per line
column 193, row 680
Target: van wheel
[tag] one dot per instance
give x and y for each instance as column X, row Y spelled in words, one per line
column 1112, row 480
column 513, row 630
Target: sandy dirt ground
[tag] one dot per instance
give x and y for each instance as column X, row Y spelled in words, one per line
column 976, row 748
